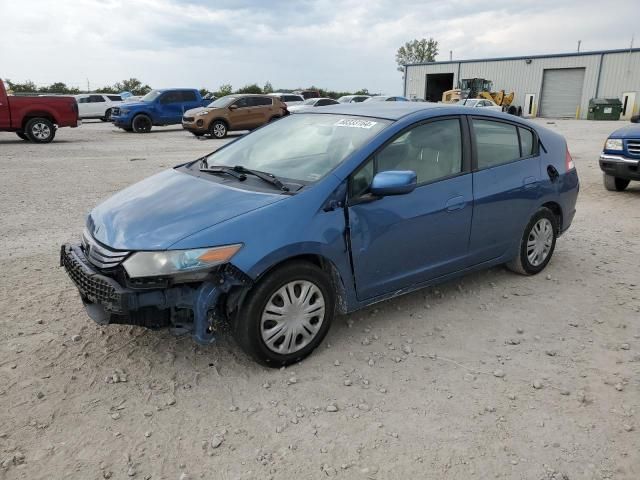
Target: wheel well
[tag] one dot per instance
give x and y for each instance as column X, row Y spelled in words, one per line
column 557, row 212
column 216, row 120
column 326, row 266
column 37, row 115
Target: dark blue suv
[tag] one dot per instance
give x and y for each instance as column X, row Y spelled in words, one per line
column 620, row 157
column 320, row 213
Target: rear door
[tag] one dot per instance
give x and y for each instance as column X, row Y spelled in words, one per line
column 506, row 185
column 240, row 114
column 403, row 240
column 261, row 110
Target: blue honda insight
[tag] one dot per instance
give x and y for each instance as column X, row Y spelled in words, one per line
column 322, row 213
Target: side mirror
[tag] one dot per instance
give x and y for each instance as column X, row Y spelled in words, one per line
column 393, row 182
column 635, row 119
column 233, row 107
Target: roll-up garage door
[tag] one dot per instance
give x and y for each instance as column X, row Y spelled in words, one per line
column 561, row 92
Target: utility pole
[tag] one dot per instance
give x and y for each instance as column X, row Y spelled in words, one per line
column 88, row 87
column 450, row 55
column 579, row 42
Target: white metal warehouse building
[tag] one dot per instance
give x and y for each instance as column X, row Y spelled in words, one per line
column 557, row 86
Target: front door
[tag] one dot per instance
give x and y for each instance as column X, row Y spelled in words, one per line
column 401, row 241
column 171, row 107
column 506, row 185
column 628, row 105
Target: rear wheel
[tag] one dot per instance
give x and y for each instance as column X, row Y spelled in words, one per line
column 218, row 129
column 286, row 315
column 40, row 130
column 537, row 244
column 141, row 124
column 615, row 184
column 23, row 136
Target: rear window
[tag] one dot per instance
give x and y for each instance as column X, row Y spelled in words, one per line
column 496, row 143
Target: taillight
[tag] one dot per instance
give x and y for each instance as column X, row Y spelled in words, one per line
column 568, row 161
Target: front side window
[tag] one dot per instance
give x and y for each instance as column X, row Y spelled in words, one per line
column 432, row 150
column 222, row 101
column 171, row 97
column 242, row 102
column 96, row 99
column 496, row 143
column 303, row 147
column 114, row 98
column 526, row 142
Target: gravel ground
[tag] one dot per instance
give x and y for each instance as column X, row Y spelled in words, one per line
column 492, row 376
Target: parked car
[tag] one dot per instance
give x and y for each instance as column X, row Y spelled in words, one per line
column 387, row 98
column 313, row 102
column 620, row 157
column 158, row 107
column 480, row 103
column 353, row 98
column 233, row 112
column 36, row 118
column 306, row 94
column 97, row 105
column 324, row 212
column 290, row 99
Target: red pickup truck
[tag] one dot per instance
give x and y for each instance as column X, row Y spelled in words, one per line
column 36, row 119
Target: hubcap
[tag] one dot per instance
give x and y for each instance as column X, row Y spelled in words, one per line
column 219, row 130
column 41, row 131
column 292, row 317
column 539, row 242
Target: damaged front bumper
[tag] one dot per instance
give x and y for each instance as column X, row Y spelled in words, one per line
column 195, row 307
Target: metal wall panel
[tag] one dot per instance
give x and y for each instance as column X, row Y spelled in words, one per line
column 561, row 92
column 620, row 73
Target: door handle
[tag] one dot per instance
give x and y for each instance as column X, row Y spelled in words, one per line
column 553, row 173
column 455, row 203
column 529, row 183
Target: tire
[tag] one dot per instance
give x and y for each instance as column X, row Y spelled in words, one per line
column 254, row 324
column 218, row 129
column 107, row 116
column 40, row 130
column 141, row 124
column 197, row 134
column 23, row 136
column 533, row 256
column 614, row 184
column 274, row 118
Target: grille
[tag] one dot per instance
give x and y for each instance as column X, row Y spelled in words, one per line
column 99, row 255
column 187, row 119
column 634, row 147
column 92, row 286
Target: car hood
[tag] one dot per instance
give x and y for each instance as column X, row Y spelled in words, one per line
column 134, row 104
column 195, row 111
column 631, row 130
column 165, row 208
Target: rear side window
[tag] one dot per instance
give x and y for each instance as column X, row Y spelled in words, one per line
column 261, row 101
column 526, row 142
column 496, row 143
column 188, row 96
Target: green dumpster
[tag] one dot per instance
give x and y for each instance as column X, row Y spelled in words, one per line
column 604, row 109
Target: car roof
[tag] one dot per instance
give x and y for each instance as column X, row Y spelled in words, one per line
column 397, row 110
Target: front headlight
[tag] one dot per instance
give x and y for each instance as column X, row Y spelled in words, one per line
column 124, row 111
column 171, row 262
column 613, row 144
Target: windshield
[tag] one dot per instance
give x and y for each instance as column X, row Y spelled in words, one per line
column 222, row 102
column 345, row 99
column 310, row 101
column 302, row 147
column 376, row 99
column 470, row 103
column 151, row 96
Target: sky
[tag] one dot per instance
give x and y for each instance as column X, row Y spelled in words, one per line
column 338, row 45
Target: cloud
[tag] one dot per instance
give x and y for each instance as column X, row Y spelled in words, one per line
column 344, row 45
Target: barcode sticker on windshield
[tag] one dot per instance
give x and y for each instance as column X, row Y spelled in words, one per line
column 354, row 123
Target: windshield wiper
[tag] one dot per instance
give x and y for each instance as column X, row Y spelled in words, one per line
column 267, row 177
column 225, row 170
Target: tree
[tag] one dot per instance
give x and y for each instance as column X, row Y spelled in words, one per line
column 59, row 88
column 225, row 89
column 26, row 87
column 268, row 88
column 252, row 88
column 108, row 89
column 417, row 51
column 132, row 85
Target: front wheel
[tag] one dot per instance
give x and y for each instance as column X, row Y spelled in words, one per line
column 141, row 124
column 107, row 116
column 615, row 184
column 218, row 129
column 286, row 315
column 40, row 130
column 537, row 244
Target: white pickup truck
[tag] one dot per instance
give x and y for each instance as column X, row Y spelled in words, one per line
column 97, row 105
